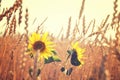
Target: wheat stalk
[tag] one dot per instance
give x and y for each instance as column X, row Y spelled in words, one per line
column 11, row 9
column 38, row 28
column 20, row 15
column 26, row 23
column 84, row 26
column 12, row 25
column 68, row 30
column 60, row 32
column 81, row 9
column 88, row 27
column 6, row 31
column 115, row 13
column 93, row 26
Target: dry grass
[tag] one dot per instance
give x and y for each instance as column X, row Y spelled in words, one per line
column 101, row 62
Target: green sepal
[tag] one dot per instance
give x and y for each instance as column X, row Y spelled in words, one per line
column 54, row 52
column 38, row 72
column 49, row 60
column 31, row 55
column 28, row 50
column 69, row 52
column 30, row 72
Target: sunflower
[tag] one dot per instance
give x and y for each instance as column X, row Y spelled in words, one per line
column 42, row 43
column 77, row 54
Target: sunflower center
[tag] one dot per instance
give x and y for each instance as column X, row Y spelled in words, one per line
column 74, row 59
column 39, row 45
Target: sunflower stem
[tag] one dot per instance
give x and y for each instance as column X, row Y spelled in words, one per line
column 35, row 65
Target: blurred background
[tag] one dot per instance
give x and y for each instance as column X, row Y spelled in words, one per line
column 58, row 12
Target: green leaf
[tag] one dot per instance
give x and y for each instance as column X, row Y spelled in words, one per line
column 69, row 71
column 56, row 58
column 62, row 69
column 52, row 59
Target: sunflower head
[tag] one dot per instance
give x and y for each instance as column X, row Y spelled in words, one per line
column 42, row 43
column 77, row 54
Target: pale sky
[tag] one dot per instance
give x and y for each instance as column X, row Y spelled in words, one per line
column 59, row 11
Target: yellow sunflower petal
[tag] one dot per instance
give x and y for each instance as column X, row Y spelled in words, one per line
column 44, row 37
column 31, row 40
column 80, row 50
column 29, row 46
column 74, row 45
column 33, row 36
column 82, row 62
column 37, row 36
column 80, row 56
column 49, row 43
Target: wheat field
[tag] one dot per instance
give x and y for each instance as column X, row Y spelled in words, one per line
column 102, row 53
